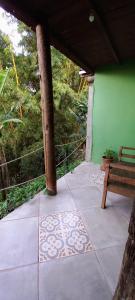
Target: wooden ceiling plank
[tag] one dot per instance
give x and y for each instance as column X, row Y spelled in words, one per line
column 105, row 32
column 56, row 40
column 59, row 44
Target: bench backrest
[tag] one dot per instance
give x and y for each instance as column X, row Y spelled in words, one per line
column 124, row 155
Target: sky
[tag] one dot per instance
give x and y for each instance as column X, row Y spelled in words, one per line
column 10, row 30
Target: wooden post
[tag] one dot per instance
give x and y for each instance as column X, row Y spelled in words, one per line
column 103, row 205
column 44, row 59
column 88, row 151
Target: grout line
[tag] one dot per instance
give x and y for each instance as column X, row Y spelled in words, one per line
column 122, row 214
column 122, row 241
column 18, row 267
column 103, row 272
column 67, row 187
column 86, row 209
column 38, row 280
column 118, row 244
column 67, row 184
column 86, row 226
column 67, row 256
column 78, row 187
column 38, row 248
column 23, row 218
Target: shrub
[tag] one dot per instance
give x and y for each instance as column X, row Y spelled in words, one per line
column 17, row 196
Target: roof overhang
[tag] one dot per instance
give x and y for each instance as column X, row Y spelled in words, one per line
column 106, row 40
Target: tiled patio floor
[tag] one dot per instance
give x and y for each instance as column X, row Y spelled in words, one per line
column 65, row 247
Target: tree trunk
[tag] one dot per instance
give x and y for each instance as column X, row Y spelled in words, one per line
column 126, row 286
column 2, row 185
column 4, row 174
column 66, row 162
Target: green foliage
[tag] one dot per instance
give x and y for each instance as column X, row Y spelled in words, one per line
column 109, row 153
column 20, row 115
column 27, row 167
column 3, row 77
column 3, row 209
column 10, row 120
column 62, row 170
column 20, row 195
column 27, row 62
column 5, row 57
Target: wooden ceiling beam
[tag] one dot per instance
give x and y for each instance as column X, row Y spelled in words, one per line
column 55, row 39
column 63, row 47
column 18, row 13
column 105, row 31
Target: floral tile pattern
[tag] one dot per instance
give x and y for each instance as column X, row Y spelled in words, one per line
column 62, row 235
column 96, row 177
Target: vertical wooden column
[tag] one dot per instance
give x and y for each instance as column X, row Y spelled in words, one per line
column 88, row 153
column 44, row 59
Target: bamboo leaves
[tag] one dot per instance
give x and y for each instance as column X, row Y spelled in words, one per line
column 3, row 78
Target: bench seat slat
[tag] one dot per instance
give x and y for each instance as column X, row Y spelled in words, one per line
column 123, row 166
column 128, row 155
column 122, row 190
column 122, row 179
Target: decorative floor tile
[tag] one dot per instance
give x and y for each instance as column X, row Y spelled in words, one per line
column 62, row 235
column 97, row 177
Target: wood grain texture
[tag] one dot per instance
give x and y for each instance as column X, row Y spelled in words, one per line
column 119, row 179
column 126, row 284
column 109, row 39
column 44, row 59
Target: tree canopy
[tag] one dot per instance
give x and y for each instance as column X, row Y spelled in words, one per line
column 20, row 109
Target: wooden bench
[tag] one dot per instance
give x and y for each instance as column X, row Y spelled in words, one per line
column 120, row 177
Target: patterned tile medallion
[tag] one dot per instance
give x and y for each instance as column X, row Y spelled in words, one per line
column 62, row 235
column 96, row 177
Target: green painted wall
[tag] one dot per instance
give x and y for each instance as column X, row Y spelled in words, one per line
column 114, row 109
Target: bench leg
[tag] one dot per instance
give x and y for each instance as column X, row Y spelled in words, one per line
column 103, row 205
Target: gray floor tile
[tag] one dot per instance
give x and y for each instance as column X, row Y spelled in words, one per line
column 90, row 276
column 77, row 180
column 86, row 197
column 63, row 201
column 106, row 227
column 28, row 209
column 83, row 168
column 125, row 210
column 117, row 199
column 110, row 260
column 73, row 279
column 62, row 185
column 19, row 243
column 121, row 203
column 49, row 204
column 19, row 284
